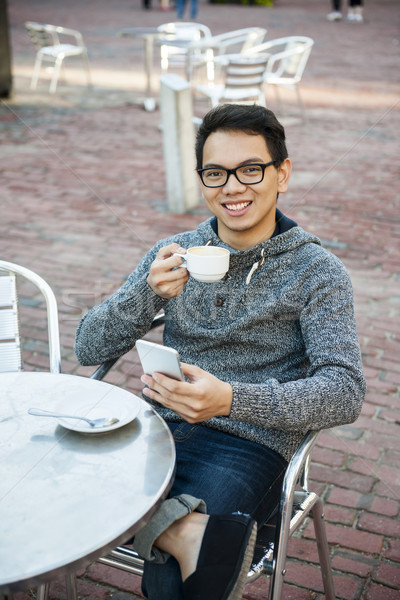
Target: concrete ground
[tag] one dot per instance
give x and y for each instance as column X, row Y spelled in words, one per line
column 83, row 197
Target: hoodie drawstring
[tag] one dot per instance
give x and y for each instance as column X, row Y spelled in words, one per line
column 256, row 266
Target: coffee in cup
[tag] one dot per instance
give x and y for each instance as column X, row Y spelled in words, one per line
column 206, row 263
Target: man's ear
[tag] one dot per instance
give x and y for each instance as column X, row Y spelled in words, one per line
column 284, row 172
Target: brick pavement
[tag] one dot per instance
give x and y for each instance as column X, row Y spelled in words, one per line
column 80, row 205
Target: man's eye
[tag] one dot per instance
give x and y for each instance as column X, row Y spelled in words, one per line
column 213, row 173
column 251, row 169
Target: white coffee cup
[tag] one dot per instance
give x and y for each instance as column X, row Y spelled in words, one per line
column 206, row 263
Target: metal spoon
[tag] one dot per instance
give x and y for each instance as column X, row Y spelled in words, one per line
column 103, row 422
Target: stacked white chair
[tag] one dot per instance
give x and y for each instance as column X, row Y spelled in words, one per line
column 288, row 59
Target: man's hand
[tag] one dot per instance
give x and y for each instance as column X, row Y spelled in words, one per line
column 202, row 397
column 164, row 278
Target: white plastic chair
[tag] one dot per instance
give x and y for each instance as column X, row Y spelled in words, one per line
column 216, row 49
column 185, row 34
column 50, row 50
column 10, row 343
column 285, row 68
column 240, row 39
column 243, row 81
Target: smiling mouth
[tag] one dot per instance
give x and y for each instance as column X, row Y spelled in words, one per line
column 237, row 206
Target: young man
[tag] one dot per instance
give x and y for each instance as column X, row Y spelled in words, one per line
column 269, row 352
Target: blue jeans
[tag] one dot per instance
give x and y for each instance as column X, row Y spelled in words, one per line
column 181, row 5
column 230, row 474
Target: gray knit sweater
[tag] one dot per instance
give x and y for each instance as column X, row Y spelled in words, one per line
column 283, row 334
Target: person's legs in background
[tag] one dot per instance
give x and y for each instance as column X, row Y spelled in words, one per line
column 193, row 9
column 336, row 14
column 180, row 8
column 231, row 475
column 355, row 14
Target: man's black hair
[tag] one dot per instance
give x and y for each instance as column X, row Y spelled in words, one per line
column 254, row 120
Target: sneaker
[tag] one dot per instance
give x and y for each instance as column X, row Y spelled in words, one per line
column 334, row 16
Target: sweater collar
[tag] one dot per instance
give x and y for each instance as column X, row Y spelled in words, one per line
column 287, row 236
column 283, row 224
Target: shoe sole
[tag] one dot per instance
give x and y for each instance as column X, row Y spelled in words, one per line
column 237, row 591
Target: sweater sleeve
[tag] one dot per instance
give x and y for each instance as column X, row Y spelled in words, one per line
column 333, row 390
column 112, row 328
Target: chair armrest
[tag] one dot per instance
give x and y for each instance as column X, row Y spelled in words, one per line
column 105, row 367
column 300, row 457
column 66, row 31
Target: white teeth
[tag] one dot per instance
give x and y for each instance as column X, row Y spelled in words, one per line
column 237, row 206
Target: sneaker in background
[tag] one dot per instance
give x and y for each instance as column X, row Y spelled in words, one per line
column 354, row 16
column 334, row 16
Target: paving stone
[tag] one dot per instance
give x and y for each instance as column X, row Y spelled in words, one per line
column 381, row 592
column 358, row 564
column 346, row 479
column 389, row 574
column 390, row 508
column 331, row 440
column 379, row 524
column 393, row 550
column 336, row 514
column 370, row 543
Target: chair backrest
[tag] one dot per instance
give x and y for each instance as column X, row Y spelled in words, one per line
column 181, row 32
column 243, row 72
column 184, row 31
column 243, row 77
column 41, row 35
column 10, row 343
column 289, row 56
column 243, row 39
column 44, row 35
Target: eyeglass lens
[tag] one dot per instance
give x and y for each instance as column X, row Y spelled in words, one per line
column 248, row 174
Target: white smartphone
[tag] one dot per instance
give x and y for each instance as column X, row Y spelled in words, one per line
column 162, row 359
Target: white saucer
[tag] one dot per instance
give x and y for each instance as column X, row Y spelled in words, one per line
column 208, row 278
column 113, row 404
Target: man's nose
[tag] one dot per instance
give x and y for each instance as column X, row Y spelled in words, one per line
column 233, row 183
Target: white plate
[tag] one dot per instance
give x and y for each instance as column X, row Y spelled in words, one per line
column 125, row 406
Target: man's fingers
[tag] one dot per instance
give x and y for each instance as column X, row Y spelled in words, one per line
column 167, row 251
column 166, row 278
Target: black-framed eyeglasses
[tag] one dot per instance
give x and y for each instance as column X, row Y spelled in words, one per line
column 250, row 174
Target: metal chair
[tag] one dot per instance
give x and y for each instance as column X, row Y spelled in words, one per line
column 287, row 62
column 243, row 81
column 11, row 359
column 50, row 49
column 10, row 343
column 297, row 503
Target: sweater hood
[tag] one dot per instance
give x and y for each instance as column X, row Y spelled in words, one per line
column 287, row 237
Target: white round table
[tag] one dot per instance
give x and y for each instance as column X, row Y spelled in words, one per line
column 66, row 497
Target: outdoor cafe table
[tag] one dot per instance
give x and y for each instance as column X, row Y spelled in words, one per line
column 68, row 497
column 147, row 34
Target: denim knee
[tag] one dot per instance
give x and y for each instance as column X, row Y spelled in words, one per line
column 170, row 511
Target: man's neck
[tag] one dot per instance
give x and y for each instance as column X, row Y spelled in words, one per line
column 244, row 240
